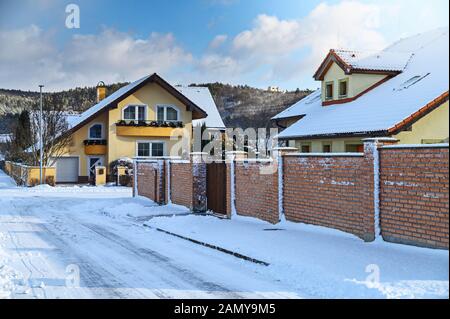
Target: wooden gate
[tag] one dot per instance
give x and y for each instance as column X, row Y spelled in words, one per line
column 216, row 189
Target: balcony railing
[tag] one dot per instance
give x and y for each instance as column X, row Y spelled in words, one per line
column 147, row 128
column 95, row 147
column 171, row 124
column 95, row 142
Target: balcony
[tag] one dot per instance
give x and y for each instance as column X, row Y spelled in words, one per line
column 147, row 128
column 95, row 147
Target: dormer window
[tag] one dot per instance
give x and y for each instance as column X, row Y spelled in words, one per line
column 329, row 91
column 167, row 113
column 343, row 88
column 134, row 113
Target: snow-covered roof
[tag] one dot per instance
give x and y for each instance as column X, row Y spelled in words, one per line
column 379, row 60
column 200, row 96
column 424, row 79
column 203, row 98
column 76, row 120
column 5, row 138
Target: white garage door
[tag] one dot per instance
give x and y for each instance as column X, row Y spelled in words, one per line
column 67, row 170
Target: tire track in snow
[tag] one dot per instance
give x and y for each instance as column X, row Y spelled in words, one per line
column 154, row 257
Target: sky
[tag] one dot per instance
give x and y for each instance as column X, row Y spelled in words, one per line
column 260, row 43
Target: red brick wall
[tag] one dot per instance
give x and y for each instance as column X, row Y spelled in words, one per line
column 414, row 198
column 150, row 181
column 334, row 191
column 181, row 182
column 256, row 194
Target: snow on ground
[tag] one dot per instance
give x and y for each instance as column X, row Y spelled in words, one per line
column 73, row 243
column 49, row 235
column 326, row 263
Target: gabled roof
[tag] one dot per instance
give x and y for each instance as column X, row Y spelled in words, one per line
column 202, row 96
column 421, row 87
column 378, row 62
column 112, row 100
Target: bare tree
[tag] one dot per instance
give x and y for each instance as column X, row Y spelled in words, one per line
column 55, row 137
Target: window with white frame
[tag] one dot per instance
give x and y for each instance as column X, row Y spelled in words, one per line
column 134, row 113
column 167, row 113
column 96, row 132
column 150, row 149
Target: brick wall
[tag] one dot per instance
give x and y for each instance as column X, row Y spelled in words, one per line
column 151, row 181
column 181, row 183
column 256, row 194
column 414, row 198
column 334, row 191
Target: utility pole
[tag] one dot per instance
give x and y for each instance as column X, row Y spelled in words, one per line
column 41, row 155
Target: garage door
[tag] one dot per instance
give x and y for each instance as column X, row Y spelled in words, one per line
column 67, row 170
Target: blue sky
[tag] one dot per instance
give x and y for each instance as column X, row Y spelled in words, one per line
column 254, row 42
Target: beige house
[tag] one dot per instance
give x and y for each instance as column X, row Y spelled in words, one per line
column 146, row 118
column 400, row 92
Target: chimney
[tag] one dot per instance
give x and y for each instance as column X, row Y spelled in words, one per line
column 101, row 91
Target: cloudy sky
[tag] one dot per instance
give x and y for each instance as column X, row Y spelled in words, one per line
column 254, row 42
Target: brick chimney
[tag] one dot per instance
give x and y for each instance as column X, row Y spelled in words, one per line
column 101, row 91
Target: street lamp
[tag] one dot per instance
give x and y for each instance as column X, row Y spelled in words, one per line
column 40, row 134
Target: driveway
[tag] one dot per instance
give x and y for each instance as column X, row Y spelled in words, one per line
column 50, row 235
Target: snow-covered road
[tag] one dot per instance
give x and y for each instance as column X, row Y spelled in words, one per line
column 48, row 237
column 90, row 242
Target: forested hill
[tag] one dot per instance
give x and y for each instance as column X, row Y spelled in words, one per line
column 240, row 106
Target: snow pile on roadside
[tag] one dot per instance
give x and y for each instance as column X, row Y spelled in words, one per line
column 7, row 274
column 322, row 262
column 137, row 207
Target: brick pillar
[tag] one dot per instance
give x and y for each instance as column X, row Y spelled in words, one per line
column 372, row 217
column 199, row 198
column 231, row 157
column 278, row 154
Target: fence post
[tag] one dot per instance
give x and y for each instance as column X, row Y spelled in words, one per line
column 279, row 152
column 373, row 224
column 199, row 199
column 168, row 176
column 135, row 178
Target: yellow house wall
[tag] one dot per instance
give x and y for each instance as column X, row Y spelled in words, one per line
column 337, row 144
column 433, row 127
column 150, row 95
column 357, row 83
column 77, row 144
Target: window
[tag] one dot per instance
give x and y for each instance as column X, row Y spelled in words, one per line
column 147, row 149
column 95, row 132
column 134, row 113
column 329, row 91
column 326, row 147
column 343, row 88
column 354, row 148
column 305, row 147
column 166, row 113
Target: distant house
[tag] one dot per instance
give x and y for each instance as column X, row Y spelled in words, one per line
column 4, row 138
column 274, row 89
column 401, row 92
column 135, row 121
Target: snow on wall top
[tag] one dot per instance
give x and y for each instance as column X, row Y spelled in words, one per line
column 424, row 78
column 203, row 98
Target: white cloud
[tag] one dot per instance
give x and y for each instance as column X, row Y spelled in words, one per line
column 218, row 41
column 30, row 57
column 273, row 51
column 274, row 44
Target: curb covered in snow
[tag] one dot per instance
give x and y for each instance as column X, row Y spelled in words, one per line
column 223, row 250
